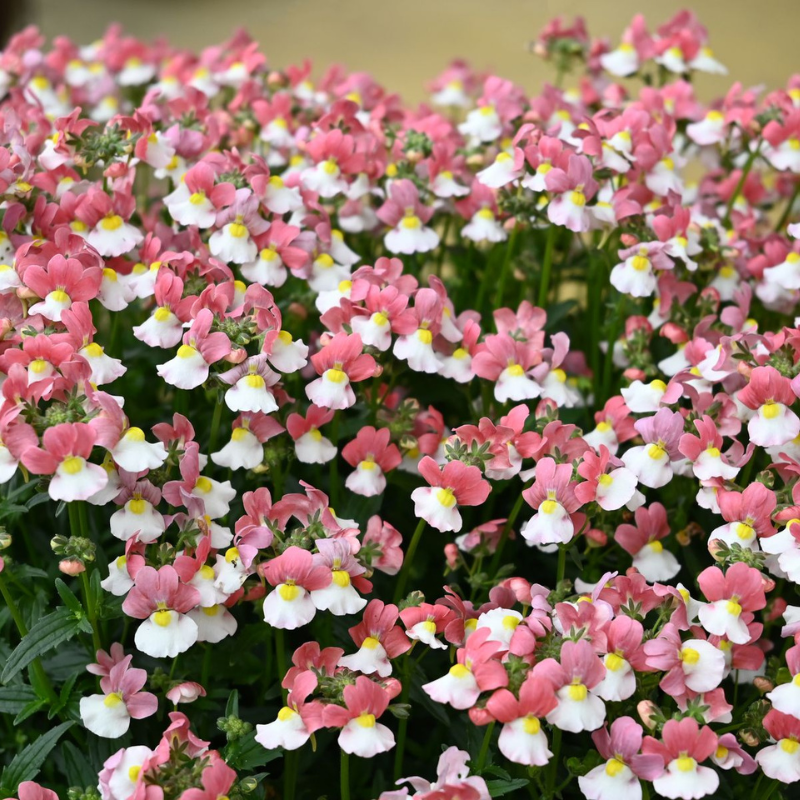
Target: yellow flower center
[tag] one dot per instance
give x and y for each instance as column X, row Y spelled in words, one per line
column 286, row 713
column 72, row 465
column 239, row 434
column 656, row 452
column 733, row 607
column 162, row 617
column 330, row 167
column 640, row 263
column 186, row 351
column 459, row 671
column 429, row 626
column 335, row 375
column 770, row 410
column 133, row 773
column 686, row 763
column 341, row 577
column 285, row 337
column 315, row 435
column 232, row 555
column 411, row 222
column 689, row 655
column 605, row 479
column 211, row 611
column 371, row 643
column 578, row 198
column 197, row 198
column 237, row 230
column 578, row 692
column 531, row 726
column 255, row 381
column 614, row 766
column 789, row 745
column 380, row 319
column 60, row 296
column 424, row 336
column 111, row 223
column 112, row 700
column 446, row 497
column 134, row 435
column 515, row 370
column 549, row 507
column 206, row 572
column 366, row 720
column 614, row 662
column 203, row 484
column 604, row 427
column 288, row 592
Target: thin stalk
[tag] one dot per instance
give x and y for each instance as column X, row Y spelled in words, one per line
column 552, row 772
column 787, row 212
column 406, row 568
column 290, row 774
column 333, row 464
column 402, row 727
column 487, row 738
column 512, row 518
column 280, row 658
column 547, row 265
column 504, row 270
column 562, row 563
column 344, row 776
column 91, row 612
column 740, row 185
column 215, row 422
column 38, row 676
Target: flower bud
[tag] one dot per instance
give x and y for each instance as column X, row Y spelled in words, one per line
column 451, row 555
column 674, row 332
column 236, row 356
column 546, row 407
column 71, row 566
column 763, row 684
column 5, row 540
column 298, row 310
column 648, row 711
column 596, row 537
column 717, row 549
column 634, row 374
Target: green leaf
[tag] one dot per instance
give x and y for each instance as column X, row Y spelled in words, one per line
column 247, row 753
column 64, row 696
column 14, row 698
column 232, row 706
column 50, row 631
column 26, row 765
column 77, row 767
column 30, row 709
column 498, row 788
column 68, row 596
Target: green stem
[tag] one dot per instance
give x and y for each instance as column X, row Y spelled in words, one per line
column 344, row 776
column 91, row 611
column 38, row 676
column 787, row 212
column 552, row 773
column 487, row 738
column 562, row 563
column 507, row 528
column 215, row 421
column 547, row 264
column 406, row 568
column 280, row 657
column 402, row 727
column 740, row 185
column 290, row 774
column 333, row 464
column 501, row 284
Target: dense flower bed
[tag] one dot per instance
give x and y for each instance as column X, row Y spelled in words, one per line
column 334, row 429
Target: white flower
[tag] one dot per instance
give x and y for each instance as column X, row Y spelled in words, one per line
column 214, row 623
column 340, row 597
column 365, row 737
column 685, row 778
column 289, row 606
column 577, row 710
column 287, row 731
column 165, row 634
column 458, row 688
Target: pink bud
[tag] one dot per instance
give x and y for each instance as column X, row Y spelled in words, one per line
column 647, row 711
column 236, row 356
column 674, row 333
column 71, row 566
column 776, row 609
column 634, row 374
column 298, row 309
column 597, row 538
column 546, row 408
column 628, row 239
column 480, row 716
column 186, row 692
column 520, row 587
column 255, row 592
column 451, row 555
column 715, row 548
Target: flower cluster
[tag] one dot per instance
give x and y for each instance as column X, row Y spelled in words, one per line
column 266, row 342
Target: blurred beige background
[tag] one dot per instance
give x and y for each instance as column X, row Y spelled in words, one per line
column 404, row 43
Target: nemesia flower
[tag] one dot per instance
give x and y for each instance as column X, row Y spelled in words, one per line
column 456, row 484
column 338, row 363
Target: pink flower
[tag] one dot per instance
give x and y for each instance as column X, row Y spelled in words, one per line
column 644, row 542
column 186, row 692
column 339, row 363
column 373, row 456
column 294, row 574
column 361, row 734
column 624, row 766
column 109, row 714
column 379, row 639
column 651, row 462
column 67, row 448
column 555, row 502
column 705, row 452
column 572, row 190
column 477, row 670
column 201, row 348
column 732, row 596
column 770, row 395
column 683, row 747
column 63, row 282
column 384, row 543
column 522, row 739
column 781, row 761
column 407, row 217
column 611, row 490
column 217, row 779
column 162, row 601
column 455, row 484
column 297, row 720
column 28, row 790
column 573, row 680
